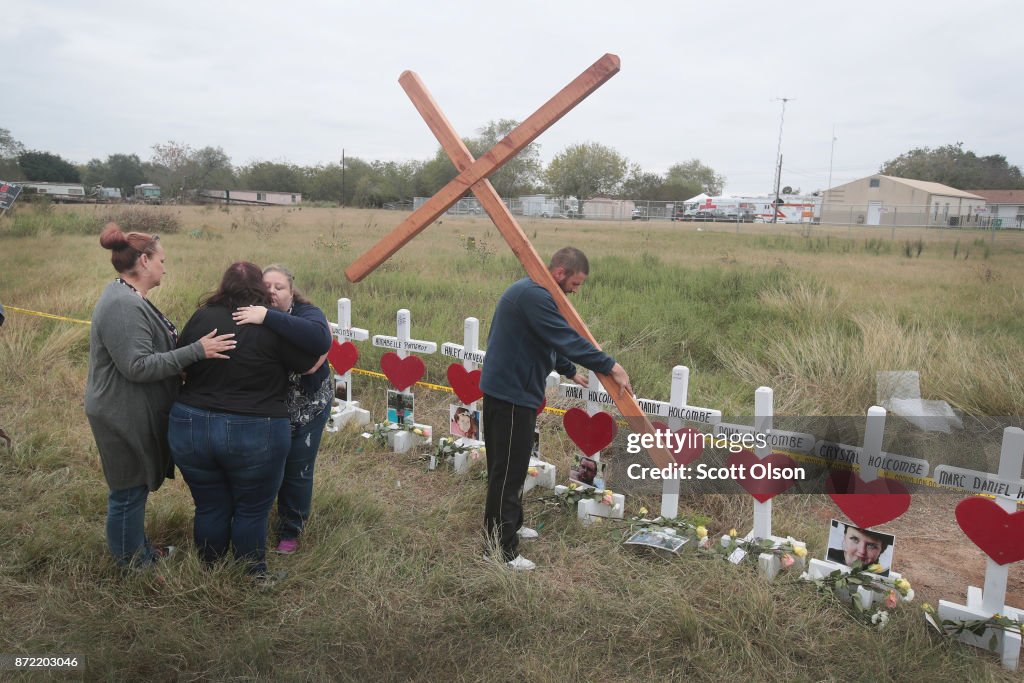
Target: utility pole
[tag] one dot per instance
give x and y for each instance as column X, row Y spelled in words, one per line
column 342, row 202
column 831, row 157
column 778, row 156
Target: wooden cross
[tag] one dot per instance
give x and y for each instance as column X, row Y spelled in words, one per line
column 473, row 176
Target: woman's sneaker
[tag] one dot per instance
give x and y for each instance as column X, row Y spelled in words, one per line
column 287, row 546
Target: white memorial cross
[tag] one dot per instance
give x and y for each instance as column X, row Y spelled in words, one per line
column 764, row 414
column 402, row 344
column 588, row 507
column 471, row 356
column 982, row 604
column 348, row 409
column 868, row 458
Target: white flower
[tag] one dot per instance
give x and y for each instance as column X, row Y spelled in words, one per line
column 909, row 595
column 804, row 576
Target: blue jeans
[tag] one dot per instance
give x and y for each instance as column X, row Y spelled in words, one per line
column 126, row 532
column 233, row 466
column 295, row 499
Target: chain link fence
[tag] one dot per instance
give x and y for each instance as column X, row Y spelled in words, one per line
column 806, row 212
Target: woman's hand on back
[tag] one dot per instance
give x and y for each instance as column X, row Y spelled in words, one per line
column 249, row 315
column 214, row 345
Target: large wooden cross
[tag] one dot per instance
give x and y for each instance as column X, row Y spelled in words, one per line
column 473, row 175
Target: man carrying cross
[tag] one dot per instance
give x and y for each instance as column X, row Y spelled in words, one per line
column 529, row 338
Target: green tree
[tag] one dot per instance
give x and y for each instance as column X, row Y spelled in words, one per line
column 951, row 165
column 693, row 173
column 640, row 184
column 519, row 175
column 10, row 150
column 93, row 173
column 123, row 171
column 273, row 176
column 327, row 183
column 586, row 170
column 180, row 170
column 47, row 167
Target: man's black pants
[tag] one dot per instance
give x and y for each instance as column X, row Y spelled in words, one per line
column 508, row 439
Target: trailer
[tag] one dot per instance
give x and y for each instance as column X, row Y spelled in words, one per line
column 107, row 194
column 56, row 192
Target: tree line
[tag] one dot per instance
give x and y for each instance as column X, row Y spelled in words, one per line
column 583, row 170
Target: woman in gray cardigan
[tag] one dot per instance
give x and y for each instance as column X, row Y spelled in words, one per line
column 134, row 376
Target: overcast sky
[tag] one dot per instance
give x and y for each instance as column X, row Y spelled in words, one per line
column 300, row 81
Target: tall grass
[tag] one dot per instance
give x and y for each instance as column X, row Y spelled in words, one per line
column 389, row 584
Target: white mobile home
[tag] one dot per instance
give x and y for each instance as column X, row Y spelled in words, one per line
column 263, row 197
column 58, row 192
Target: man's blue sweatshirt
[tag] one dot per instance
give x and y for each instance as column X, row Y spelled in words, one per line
column 529, row 338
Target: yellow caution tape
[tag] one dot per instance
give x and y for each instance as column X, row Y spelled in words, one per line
column 45, row 315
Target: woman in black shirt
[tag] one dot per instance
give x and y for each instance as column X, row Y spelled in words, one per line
column 229, row 430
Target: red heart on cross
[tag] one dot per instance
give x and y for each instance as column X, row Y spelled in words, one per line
column 590, row 433
column 343, row 357
column 466, row 383
column 761, row 488
column 1000, row 534
column 402, row 372
column 867, row 503
column 687, row 444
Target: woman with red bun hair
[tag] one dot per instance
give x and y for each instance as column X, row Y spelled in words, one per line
column 134, row 376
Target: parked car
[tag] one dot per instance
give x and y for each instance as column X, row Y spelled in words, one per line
column 707, row 215
column 637, row 215
column 743, row 216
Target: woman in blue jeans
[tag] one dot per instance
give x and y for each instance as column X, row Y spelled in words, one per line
column 134, row 377
column 229, row 431
column 310, row 395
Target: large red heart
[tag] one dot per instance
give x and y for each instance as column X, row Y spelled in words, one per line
column 590, row 432
column 466, row 383
column 342, row 356
column 997, row 532
column 763, row 489
column 867, row 504
column 402, row 372
column 686, row 446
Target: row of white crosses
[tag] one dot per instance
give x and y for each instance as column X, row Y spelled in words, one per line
column 677, row 411
column 1006, row 485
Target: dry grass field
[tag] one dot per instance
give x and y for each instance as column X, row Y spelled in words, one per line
column 389, row 584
